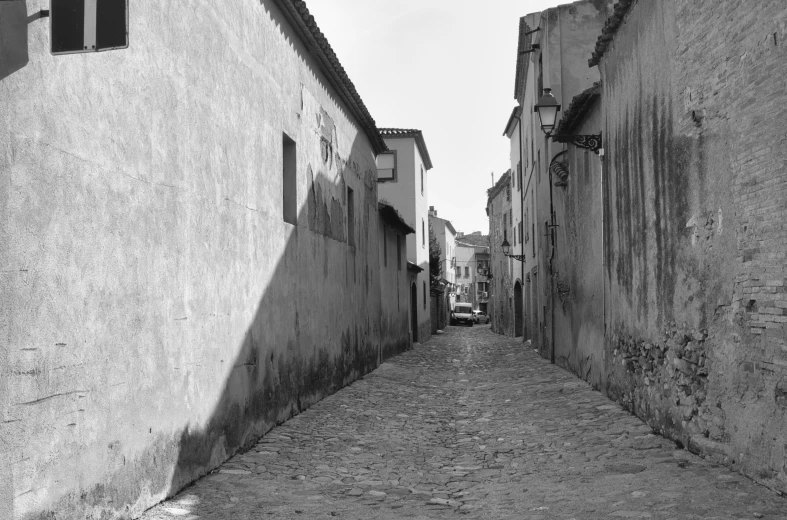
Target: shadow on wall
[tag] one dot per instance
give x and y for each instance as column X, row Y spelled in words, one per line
column 322, row 292
column 315, row 328
column 13, row 36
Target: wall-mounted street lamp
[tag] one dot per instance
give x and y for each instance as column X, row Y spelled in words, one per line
column 547, row 109
column 507, row 247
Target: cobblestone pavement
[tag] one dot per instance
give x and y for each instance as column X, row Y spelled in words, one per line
column 469, row 425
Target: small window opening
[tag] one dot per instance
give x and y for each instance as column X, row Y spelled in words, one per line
column 350, row 217
column 289, row 177
column 399, row 252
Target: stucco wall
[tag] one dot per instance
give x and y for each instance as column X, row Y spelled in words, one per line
column 394, row 293
column 504, row 269
column 694, row 100
column 579, row 309
column 567, row 38
column 405, row 195
column 157, row 313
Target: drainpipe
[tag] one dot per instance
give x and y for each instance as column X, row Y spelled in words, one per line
column 521, row 174
column 552, row 255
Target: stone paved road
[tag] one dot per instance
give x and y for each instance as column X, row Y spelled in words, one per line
column 469, row 425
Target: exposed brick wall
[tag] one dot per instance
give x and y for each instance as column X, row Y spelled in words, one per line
column 695, row 102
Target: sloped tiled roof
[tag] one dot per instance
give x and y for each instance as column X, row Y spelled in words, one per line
column 522, row 60
column 303, row 23
column 473, row 241
column 611, row 26
column 395, row 133
column 393, row 218
column 579, row 106
column 501, row 183
column 515, row 113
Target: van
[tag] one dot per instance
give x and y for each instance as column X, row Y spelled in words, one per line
column 462, row 313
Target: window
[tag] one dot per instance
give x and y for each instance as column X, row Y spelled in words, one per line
column 350, row 217
column 423, row 233
column 85, row 26
column 519, row 175
column 520, row 232
column 533, row 222
column 422, row 180
column 385, row 246
column 458, row 272
column 424, row 295
column 386, row 166
column 505, row 227
column 288, row 174
column 399, row 251
column 467, row 272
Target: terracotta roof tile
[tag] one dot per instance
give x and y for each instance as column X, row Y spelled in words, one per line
column 611, row 26
column 522, row 60
column 579, row 106
column 393, row 218
column 395, row 133
column 298, row 15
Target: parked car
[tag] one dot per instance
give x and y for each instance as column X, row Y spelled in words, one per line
column 462, row 313
column 480, row 317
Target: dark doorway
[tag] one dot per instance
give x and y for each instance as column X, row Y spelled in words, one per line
column 534, row 318
column 414, row 312
column 518, row 315
column 528, row 309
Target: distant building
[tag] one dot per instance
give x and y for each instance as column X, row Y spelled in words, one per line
column 501, row 296
column 446, row 236
column 404, row 187
column 472, row 254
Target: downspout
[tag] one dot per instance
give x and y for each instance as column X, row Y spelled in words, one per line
column 520, row 173
column 551, row 259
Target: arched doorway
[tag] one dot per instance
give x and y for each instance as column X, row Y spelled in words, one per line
column 414, row 312
column 518, row 314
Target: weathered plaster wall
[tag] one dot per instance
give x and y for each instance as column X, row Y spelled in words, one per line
column 579, row 310
column 694, row 100
column 157, row 313
column 567, row 38
column 504, row 271
column 394, row 293
column 405, row 195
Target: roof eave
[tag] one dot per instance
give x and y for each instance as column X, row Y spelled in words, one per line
column 515, row 114
column 303, row 23
column 392, row 217
column 578, row 109
column 613, row 23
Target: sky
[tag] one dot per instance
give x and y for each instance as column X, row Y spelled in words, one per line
column 445, row 67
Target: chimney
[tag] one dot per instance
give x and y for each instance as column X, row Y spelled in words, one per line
column 432, row 211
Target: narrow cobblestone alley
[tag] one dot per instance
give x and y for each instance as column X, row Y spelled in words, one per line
column 469, row 425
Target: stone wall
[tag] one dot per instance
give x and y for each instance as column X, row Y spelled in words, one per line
column 694, row 100
column 501, row 293
column 158, row 313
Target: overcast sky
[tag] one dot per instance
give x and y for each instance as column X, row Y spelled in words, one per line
column 445, row 67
